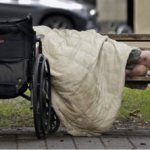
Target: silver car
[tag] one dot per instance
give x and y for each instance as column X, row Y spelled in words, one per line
column 61, row 14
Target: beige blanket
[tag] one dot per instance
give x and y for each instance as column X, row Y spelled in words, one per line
column 88, row 76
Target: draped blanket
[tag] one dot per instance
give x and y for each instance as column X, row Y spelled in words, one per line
column 88, row 76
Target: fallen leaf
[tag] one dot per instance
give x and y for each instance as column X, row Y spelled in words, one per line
column 116, row 121
column 142, row 144
column 61, row 140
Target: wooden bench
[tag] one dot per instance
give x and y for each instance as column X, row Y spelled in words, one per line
column 133, row 38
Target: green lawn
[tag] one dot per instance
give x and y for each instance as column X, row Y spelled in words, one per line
column 16, row 113
column 135, row 106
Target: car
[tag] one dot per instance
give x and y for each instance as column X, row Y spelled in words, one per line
column 60, row 14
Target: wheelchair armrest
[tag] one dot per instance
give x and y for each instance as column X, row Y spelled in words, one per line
column 39, row 37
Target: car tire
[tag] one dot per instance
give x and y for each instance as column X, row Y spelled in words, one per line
column 124, row 29
column 59, row 22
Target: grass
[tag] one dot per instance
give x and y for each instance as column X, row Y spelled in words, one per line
column 17, row 113
column 135, row 105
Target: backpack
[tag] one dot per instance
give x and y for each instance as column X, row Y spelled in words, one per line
column 16, row 50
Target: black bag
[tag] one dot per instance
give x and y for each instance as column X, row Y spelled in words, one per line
column 16, row 45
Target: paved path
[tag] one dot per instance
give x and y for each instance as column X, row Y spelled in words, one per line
column 25, row 138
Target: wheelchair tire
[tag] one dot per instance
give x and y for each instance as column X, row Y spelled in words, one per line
column 45, row 96
column 35, row 97
column 54, row 123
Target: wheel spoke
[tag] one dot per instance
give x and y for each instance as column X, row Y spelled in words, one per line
column 45, row 99
column 59, row 22
column 55, row 123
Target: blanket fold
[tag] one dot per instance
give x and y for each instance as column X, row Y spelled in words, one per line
column 88, row 76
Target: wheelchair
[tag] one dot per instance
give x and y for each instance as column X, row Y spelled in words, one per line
column 23, row 67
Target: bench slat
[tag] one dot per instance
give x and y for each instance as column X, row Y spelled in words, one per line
column 129, row 37
column 145, row 78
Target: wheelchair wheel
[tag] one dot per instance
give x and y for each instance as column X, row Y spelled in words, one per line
column 41, row 97
column 54, row 123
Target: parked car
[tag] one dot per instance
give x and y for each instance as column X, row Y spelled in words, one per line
column 61, row 14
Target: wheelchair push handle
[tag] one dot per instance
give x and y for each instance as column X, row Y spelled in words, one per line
column 38, row 39
column 29, row 17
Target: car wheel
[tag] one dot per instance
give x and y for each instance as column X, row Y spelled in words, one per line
column 124, row 29
column 58, row 22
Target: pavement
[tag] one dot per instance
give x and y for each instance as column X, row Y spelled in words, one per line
column 25, row 138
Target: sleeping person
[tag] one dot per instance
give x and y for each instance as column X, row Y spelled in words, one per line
column 138, row 63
